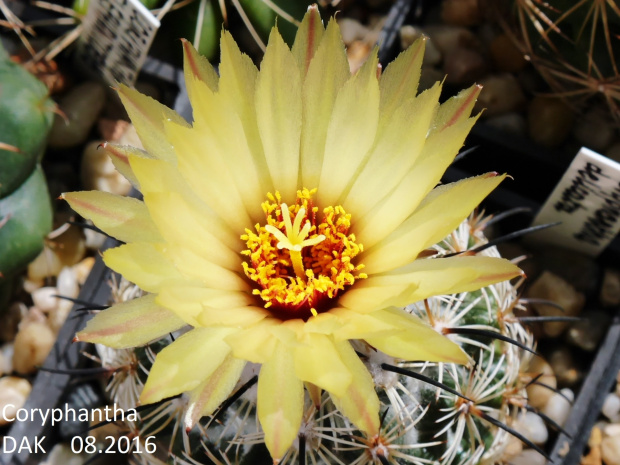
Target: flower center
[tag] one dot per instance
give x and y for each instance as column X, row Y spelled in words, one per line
column 300, row 264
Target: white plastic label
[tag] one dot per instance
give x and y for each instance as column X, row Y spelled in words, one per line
column 115, row 39
column 587, row 203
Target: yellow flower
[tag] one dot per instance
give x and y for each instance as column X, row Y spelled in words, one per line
column 286, row 220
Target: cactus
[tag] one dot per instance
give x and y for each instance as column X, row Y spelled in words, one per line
column 421, row 423
column 574, row 46
column 26, row 115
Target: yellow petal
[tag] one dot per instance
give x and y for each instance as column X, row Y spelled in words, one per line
column 280, row 402
column 360, row 403
column 328, row 71
column 417, row 341
column 130, row 324
column 190, row 302
column 439, row 214
column 457, row 108
column 278, row 113
column 148, row 116
column 157, row 176
column 394, row 154
column 210, row 274
column 197, row 68
column 124, row 218
column 307, row 39
column 186, row 363
column 256, row 343
column 387, row 214
column 233, row 316
column 141, row 263
column 181, row 224
column 207, row 173
column 222, row 136
column 237, row 85
column 208, row 396
column 119, row 154
column 399, row 81
column 351, row 132
column 318, row 362
column 425, row 278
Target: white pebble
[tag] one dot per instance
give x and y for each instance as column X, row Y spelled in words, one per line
column 532, row 427
column 94, row 239
column 612, row 430
column 44, row 299
column 32, row 344
column 558, row 408
column 61, row 454
column 67, row 283
column 611, row 407
column 98, row 171
column 610, row 450
column 13, row 394
column 7, row 357
column 528, row 457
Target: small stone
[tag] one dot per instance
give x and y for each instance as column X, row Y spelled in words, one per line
column 532, row 427
column 529, row 457
column 352, row 30
column 551, row 287
column 13, row 394
column 7, row 357
column 563, row 365
column 612, row 430
column 587, row 333
column 66, row 284
column 98, row 171
column 595, row 129
column 69, row 247
column 501, row 93
column 46, row 264
column 610, row 450
column 44, row 299
column 610, row 289
column 611, row 407
column 512, row 123
column 112, row 130
column 506, row 55
column 558, row 407
column 537, row 395
column 461, row 12
column 32, row 344
column 62, row 454
column 448, row 38
column 81, row 107
column 82, row 269
column 579, row 270
column 550, row 120
column 357, row 54
column 464, row 66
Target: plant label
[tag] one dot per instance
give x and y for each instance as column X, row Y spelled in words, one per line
column 115, row 39
column 586, row 202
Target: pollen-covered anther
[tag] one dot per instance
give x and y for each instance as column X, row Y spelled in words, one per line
column 297, row 261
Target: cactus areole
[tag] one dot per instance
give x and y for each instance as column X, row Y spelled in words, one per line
column 348, row 164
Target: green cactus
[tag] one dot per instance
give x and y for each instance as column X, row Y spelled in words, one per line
column 574, row 46
column 421, row 422
column 26, row 115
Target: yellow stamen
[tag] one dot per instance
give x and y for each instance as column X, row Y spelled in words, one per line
column 294, row 239
column 297, row 261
